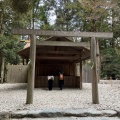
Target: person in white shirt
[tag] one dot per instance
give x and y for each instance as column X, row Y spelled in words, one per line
column 50, row 82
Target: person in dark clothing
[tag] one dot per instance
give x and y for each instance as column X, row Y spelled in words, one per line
column 61, row 81
column 50, row 82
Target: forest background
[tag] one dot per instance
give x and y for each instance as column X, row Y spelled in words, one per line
column 63, row 15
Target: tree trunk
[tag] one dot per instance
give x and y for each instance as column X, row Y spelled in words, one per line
column 2, row 18
column 2, row 69
column 2, row 32
column 31, row 70
column 95, row 98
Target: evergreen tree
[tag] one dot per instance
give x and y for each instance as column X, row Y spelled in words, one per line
column 63, row 12
column 8, row 44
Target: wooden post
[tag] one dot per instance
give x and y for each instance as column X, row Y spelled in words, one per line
column 23, row 61
column 74, row 72
column 98, row 59
column 27, row 60
column 111, row 81
column 95, row 98
column 31, row 70
column 2, row 69
column 80, row 73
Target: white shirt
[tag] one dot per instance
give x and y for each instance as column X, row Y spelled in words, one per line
column 51, row 77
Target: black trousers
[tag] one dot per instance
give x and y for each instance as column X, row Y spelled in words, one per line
column 61, row 84
column 50, row 84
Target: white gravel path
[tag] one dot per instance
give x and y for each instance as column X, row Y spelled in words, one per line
column 73, row 118
column 13, row 97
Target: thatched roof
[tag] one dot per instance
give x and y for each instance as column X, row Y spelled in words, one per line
column 58, row 53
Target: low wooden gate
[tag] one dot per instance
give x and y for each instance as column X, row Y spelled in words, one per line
column 17, row 74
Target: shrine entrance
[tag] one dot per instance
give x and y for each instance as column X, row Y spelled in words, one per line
column 94, row 55
column 51, row 60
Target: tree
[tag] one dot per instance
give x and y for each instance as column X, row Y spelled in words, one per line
column 22, row 6
column 63, row 12
column 110, row 64
column 93, row 14
column 8, row 46
column 41, row 18
column 110, row 48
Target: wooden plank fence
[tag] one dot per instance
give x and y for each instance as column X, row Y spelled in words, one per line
column 17, row 74
column 69, row 81
column 86, row 73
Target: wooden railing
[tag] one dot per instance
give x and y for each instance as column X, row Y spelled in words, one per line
column 69, row 81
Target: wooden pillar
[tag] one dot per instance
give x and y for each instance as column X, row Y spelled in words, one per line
column 23, row 61
column 83, row 72
column 98, row 59
column 80, row 73
column 95, row 98
column 74, row 69
column 31, row 70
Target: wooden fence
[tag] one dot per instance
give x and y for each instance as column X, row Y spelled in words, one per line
column 69, row 81
column 17, row 74
column 86, row 73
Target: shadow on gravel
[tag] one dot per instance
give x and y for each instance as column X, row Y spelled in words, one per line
column 15, row 87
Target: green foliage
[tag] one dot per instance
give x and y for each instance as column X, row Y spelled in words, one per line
column 9, row 46
column 21, row 21
column 41, row 18
column 21, row 6
column 93, row 14
column 110, row 63
column 63, row 12
column 80, row 15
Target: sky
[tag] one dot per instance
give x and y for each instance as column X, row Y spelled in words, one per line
column 52, row 17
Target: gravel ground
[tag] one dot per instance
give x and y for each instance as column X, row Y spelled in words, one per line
column 73, row 118
column 13, row 97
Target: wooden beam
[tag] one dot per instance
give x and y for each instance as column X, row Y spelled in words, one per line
column 84, row 56
column 62, row 33
column 60, row 57
column 62, row 43
column 83, row 59
column 58, row 52
column 55, row 57
column 88, row 57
